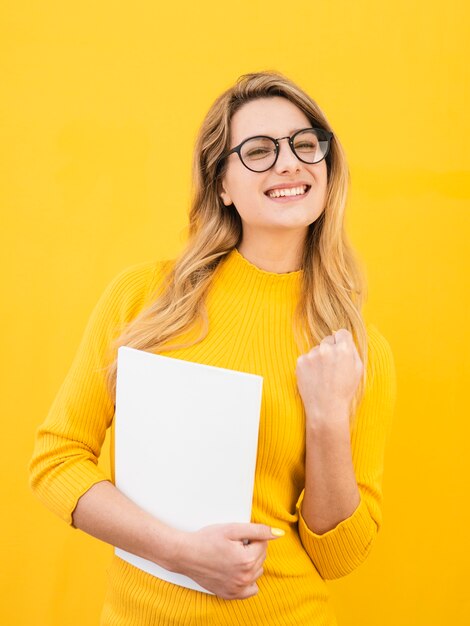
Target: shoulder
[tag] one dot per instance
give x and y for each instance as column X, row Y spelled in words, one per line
column 132, row 286
column 381, row 369
column 378, row 344
column 137, row 277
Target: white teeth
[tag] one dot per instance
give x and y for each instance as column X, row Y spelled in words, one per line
column 293, row 191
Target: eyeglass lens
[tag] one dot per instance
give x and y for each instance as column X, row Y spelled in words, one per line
column 259, row 154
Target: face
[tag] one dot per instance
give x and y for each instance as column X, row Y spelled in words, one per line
column 275, row 117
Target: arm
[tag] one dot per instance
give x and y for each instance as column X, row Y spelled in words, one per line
column 215, row 556
column 107, row 514
column 340, row 509
column 63, row 469
column 331, row 492
column 68, row 443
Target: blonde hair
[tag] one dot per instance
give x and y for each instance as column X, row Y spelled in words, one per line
column 333, row 285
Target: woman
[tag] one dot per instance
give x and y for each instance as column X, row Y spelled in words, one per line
column 267, row 284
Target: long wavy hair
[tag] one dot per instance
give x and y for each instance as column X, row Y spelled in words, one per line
column 333, row 286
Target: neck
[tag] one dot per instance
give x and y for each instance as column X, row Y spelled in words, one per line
column 273, row 254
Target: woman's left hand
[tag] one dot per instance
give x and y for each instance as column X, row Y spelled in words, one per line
column 328, row 376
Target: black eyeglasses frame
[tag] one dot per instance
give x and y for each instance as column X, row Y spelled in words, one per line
column 237, row 149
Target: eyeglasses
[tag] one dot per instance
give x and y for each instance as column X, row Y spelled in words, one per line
column 260, row 153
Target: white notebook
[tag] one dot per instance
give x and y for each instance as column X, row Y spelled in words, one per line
column 186, row 438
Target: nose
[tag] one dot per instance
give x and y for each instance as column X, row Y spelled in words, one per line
column 286, row 159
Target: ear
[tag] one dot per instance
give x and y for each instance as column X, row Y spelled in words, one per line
column 225, row 196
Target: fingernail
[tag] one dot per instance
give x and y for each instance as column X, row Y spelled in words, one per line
column 278, row 532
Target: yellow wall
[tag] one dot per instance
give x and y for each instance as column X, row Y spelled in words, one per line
column 99, row 110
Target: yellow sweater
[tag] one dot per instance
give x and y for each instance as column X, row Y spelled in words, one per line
column 250, row 315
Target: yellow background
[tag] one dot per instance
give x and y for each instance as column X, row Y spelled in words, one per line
column 100, row 105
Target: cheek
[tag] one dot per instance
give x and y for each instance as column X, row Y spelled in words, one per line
column 245, row 191
column 322, row 179
column 324, row 186
column 247, row 203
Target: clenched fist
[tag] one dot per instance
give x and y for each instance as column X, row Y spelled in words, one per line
column 328, row 376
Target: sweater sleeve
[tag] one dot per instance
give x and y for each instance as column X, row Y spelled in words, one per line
column 343, row 548
column 68, row 443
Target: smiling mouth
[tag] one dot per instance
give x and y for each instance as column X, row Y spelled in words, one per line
column 293, row 193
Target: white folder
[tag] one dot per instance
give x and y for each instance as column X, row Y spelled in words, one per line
column 186, row 438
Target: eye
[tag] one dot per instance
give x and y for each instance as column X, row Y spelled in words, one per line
column 258, row 151
column 257, row 148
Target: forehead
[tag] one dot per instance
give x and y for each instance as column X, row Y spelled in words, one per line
column 275, row 116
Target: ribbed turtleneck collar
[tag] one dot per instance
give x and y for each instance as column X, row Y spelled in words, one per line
column 238, row 270
column 250, row 267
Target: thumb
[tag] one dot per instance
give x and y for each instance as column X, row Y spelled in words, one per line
column 253, row 532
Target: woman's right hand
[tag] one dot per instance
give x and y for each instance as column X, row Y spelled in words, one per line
column 217, row 558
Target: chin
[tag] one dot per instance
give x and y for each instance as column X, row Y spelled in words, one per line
column 299, row 220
